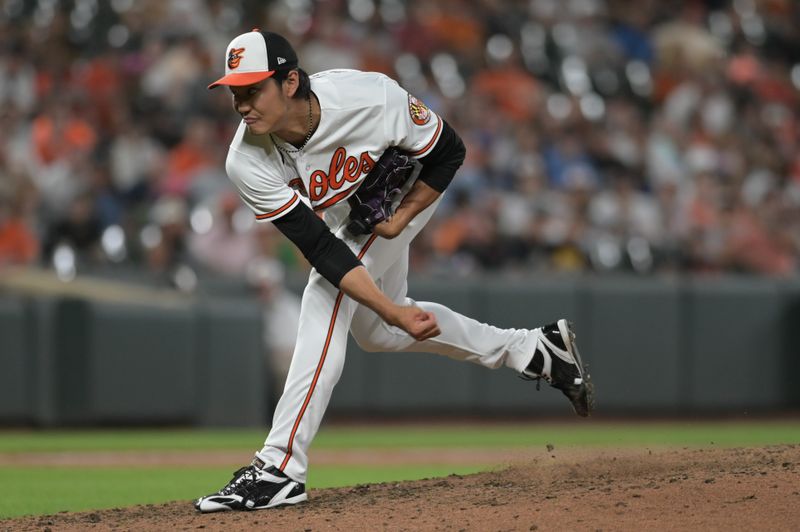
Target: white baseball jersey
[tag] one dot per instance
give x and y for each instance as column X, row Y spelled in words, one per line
column 362, row 114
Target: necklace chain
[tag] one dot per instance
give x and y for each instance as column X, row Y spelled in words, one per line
column 308, row 135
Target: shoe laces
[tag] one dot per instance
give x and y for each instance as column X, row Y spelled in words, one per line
column 241, row 476
column 537, row 378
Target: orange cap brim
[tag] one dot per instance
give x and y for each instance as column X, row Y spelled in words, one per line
column 239, row 79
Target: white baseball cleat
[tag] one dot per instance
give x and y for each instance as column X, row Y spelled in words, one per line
column 253, row 488
column 557, row 361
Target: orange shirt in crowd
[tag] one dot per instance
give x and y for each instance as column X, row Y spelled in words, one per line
column 53, row 141
column 182, row 163
column 450, row 235
column 513, row 90
column 752, row 246
column 457, row 31
column 18, row 245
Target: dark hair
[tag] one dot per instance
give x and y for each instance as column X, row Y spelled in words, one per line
column 304, row 84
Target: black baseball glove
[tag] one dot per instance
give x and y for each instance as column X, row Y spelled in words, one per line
column 372, row 202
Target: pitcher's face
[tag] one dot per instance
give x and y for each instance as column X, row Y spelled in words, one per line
column 263, row 106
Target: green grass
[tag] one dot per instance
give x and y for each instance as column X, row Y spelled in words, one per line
column 129, row 440
column 40, row 490
column 54, row 489
column 416, row 436
column 568, row 434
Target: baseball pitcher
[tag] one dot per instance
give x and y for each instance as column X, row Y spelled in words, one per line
column 374, row 160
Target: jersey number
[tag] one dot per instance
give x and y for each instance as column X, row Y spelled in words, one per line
column 343, row 169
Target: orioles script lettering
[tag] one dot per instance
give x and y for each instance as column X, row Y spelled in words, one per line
column 343, row 169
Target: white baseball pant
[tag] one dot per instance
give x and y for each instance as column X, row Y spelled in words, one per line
column 326, row 317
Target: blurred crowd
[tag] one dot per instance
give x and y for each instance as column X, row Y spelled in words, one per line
column 602, row 135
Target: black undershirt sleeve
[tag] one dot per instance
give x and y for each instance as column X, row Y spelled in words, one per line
column 329, row 255
column 440, row 165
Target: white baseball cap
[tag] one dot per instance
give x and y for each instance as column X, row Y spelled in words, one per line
column 255, row 56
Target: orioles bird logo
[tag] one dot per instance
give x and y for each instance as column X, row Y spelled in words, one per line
column 234, row 57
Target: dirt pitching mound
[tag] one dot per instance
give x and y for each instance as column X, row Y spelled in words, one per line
column 688, row 489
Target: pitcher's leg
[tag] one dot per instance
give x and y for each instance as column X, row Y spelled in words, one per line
column 547, row 352
column 462, row 338
column 318, row 358
column 316, row 366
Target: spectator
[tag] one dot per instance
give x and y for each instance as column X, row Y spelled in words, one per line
column 135, row 158
column 185, row 161
column 18, row 244
column 58, row 131
column 227, row 246
column 79, row 228
column 164, row 238
column 17, row 80
column 281, row 316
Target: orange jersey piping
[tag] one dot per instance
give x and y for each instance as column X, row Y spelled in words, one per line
column 321, row 362
column 276, row 212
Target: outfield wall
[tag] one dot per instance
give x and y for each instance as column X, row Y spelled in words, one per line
column 679, row 346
